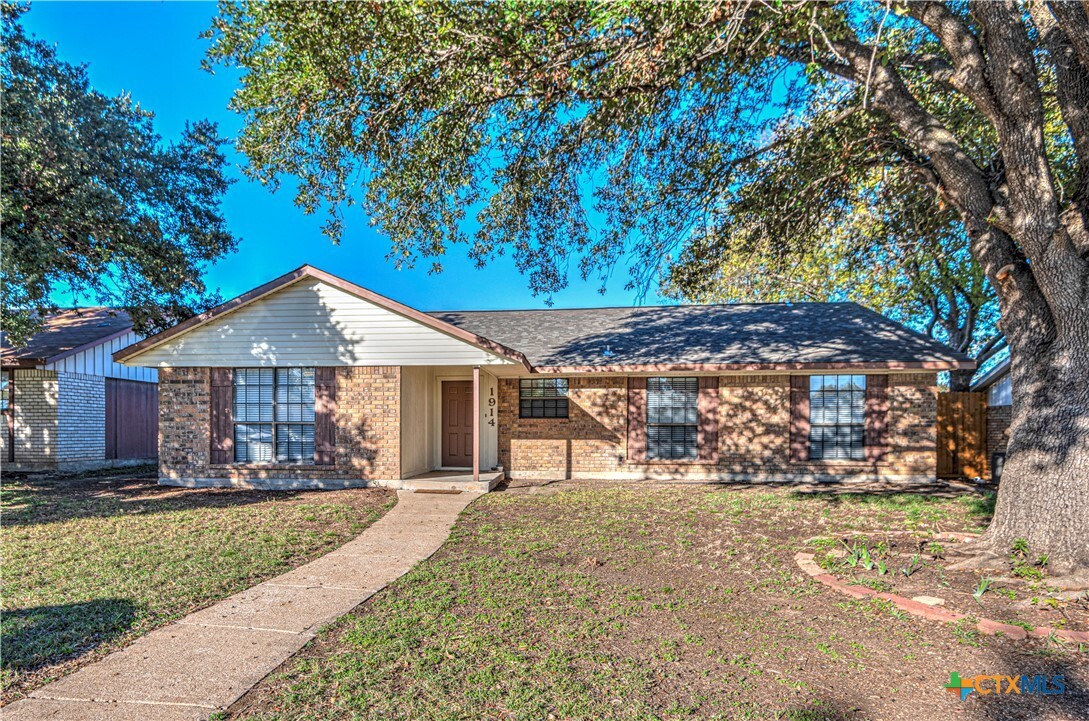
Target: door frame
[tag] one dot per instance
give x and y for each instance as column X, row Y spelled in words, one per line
column 436, row 460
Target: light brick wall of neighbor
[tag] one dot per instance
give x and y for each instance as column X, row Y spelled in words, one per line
column 368, row 443
column 81, row 418
column 60, row 420
column 36, row 408
column 753, row 434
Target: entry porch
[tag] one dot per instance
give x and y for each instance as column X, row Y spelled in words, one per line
column 449, row 428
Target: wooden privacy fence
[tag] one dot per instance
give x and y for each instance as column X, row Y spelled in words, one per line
column 962, row 435
column 132, row 419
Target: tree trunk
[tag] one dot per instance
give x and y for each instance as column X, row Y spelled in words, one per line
column 1044, row 494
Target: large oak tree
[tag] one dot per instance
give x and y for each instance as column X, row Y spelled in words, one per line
column 513, row 111
column 93, row 203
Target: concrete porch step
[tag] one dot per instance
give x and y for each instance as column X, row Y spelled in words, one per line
column 453, row 481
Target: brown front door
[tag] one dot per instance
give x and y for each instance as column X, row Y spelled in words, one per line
column 457, row 423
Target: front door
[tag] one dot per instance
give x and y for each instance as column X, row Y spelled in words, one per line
column 457, row 423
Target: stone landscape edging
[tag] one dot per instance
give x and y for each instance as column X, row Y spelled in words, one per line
column 807, row 563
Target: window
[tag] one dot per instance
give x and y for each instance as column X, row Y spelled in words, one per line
column 837, row 417
column 672, row 418
column 273, row 415
column 1000, row 393
column 5, row 392
column 542, row 398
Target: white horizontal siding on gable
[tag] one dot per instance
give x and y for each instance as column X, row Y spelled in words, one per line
column 310, row 323
column 98, row 361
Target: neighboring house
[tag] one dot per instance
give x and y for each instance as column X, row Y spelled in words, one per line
column 996, row 383
column 67, row 405
column 310, row 380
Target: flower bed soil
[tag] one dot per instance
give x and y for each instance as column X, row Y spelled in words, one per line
column 917, row 567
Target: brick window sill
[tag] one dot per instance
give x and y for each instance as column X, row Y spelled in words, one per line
column 677, row 462
column 265, row 466
column 839, row 463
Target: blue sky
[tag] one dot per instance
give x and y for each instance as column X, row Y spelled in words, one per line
column 152, row 51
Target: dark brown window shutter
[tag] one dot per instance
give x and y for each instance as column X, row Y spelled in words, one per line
column 325, row 416
column 637, row 420
column 220, row 402
column 799, row 419
column 707, row 437
column 876, row 437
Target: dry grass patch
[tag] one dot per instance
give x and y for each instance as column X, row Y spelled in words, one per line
column 633, row 603
column 91, row 563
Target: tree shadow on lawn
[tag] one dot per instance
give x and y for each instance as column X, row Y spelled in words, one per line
column 30, row 500
column 44, row 635
column 978, row 503
column 1015, row 660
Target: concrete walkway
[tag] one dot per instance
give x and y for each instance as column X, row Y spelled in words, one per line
column 207, row 660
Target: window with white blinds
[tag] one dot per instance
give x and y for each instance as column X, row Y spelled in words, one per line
column 837, row 417
column 672, row 418
column 273, row 415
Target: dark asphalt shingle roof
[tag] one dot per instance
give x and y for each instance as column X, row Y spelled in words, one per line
column 715, row 334
column 67, row 330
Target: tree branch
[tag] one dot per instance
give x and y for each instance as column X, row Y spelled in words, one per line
column 1074, row 20
column 968, row 62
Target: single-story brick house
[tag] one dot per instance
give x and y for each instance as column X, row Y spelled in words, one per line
column 67, row 405
column 310, row 380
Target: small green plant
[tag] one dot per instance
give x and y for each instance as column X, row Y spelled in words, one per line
column 966, row 632
column 984, row 585
column 1020, row 548
column 935, row 549
column 876, row 584
column 913, row 566
column 881, row 568
column 1007, row 592
column 1042, row 560
column 865, row 559
column 1027, row 572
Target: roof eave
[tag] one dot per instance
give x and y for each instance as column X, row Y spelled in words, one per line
column 992, row 376
column 21, row 363
column 935, row 366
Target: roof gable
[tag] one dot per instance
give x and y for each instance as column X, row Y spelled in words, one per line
column 309, row 317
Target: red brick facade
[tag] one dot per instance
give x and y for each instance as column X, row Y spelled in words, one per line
column 753, row 434
column 368, row 437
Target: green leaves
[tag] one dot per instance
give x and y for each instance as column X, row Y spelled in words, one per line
column 715, row 149
column 94, row 202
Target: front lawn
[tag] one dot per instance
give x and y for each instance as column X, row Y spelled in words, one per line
column 91, row 563
column 668, row 602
